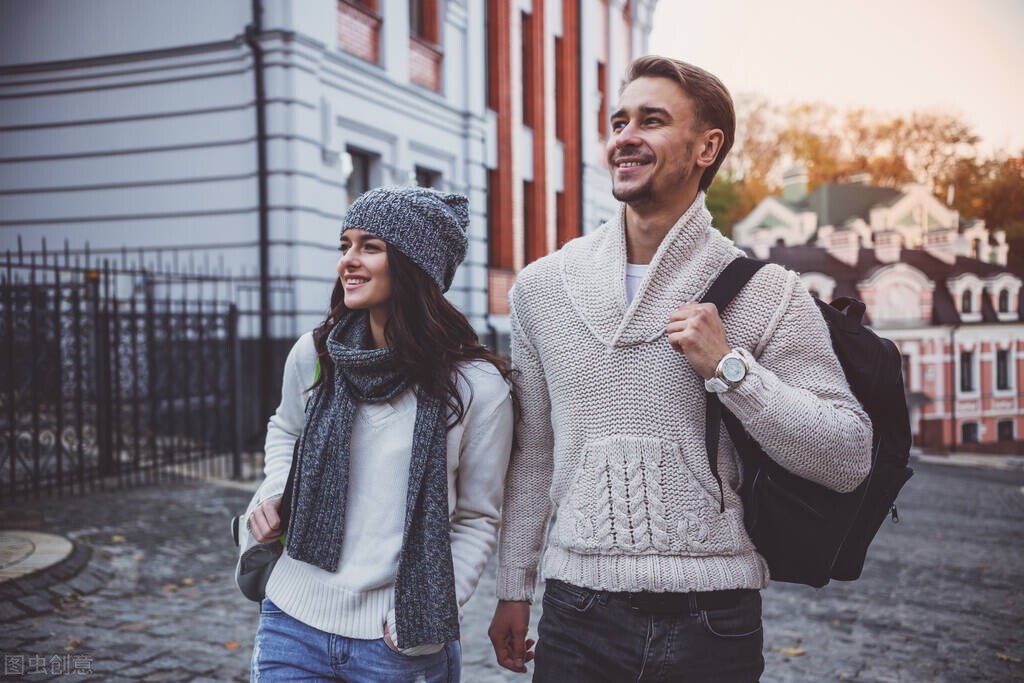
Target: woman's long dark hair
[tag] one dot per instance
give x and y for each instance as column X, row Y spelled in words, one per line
column 427, row 335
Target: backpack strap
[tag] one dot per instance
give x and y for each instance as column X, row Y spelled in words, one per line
column 721, row 293
column 730, row 281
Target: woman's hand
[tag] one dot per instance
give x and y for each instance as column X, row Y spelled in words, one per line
column 264, row 522
column 387, row 638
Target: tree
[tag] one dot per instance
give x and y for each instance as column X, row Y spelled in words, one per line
column 932, row 148
column 724, row 203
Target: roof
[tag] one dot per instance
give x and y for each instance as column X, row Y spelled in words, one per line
column 812, row 259
column 836, row 203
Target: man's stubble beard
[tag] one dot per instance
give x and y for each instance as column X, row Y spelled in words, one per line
column 644, row 194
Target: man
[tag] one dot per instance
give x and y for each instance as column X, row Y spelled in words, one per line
column 650, row 574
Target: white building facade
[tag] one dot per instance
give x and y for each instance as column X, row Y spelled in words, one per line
column 136, row 123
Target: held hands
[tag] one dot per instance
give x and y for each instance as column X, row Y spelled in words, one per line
column 508, row 635
column 696, row 331
column 264, row 522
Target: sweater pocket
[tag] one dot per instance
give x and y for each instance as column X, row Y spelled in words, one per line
column 615, row 500
column 636, row 495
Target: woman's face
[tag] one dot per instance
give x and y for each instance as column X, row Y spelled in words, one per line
column 363, row 269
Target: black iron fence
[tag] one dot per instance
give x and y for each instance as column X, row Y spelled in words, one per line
column 114, row 374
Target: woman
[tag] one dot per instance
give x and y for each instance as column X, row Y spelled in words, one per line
column 406, row 425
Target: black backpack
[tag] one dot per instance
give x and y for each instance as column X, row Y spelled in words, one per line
column 807, row 533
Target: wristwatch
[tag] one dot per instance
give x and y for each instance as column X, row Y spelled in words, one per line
column 730, row 371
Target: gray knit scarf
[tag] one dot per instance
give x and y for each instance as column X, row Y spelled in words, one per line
column 425, row 604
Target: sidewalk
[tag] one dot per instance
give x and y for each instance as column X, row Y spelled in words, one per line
column 147, row 591
column 985, row 460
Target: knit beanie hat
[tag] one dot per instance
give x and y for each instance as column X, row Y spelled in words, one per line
column 427, row 226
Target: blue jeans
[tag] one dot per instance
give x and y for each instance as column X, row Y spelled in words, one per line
column 288, row 650
column 587, row 636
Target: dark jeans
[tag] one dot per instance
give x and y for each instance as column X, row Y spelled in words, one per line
column 587, row 636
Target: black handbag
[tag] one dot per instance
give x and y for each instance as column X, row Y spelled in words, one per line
column 257, row 563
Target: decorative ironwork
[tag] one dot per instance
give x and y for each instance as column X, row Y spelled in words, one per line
column 113, row 376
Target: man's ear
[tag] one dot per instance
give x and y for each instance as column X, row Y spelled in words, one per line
column 711, row 145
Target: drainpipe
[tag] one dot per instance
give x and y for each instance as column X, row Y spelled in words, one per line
column 952, row 384
column 252, row 34
column 580, row 138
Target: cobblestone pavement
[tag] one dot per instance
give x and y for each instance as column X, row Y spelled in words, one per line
column 148, row 593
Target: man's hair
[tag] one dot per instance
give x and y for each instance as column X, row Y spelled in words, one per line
column 712, row 103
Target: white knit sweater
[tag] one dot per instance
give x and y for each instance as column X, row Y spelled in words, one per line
column 356, row 599
column 612, row 433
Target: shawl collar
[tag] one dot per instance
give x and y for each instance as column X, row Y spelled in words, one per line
column 594, row 273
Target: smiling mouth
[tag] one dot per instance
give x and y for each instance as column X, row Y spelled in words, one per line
column 626, row 165
column 355, row 281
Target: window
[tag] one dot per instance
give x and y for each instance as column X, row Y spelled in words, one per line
column 425, row 53
column 969, row 432
column 602, row 110
column 428, row 178
column 358, row 28
column 967, row 371
column 423, row 20
column 561, row 124
column 906, row 370
column 528, row 228
column 529, row 56
column 1004, row 301
column 493, row 63
column 966, row 301
column 359, row 178
column 1005, row 429
column 1002, row 369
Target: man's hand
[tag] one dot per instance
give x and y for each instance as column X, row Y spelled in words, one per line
column 264, row 522
column 508, row 634
column 696, row 331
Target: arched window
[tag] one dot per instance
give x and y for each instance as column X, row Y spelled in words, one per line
column 966, row 302
column 1004, row 301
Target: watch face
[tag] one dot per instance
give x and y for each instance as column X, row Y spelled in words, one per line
column 733, row 369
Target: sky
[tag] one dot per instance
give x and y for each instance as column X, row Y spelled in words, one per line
column 894, row 56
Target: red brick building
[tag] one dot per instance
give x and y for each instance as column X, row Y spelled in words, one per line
column 553, row 69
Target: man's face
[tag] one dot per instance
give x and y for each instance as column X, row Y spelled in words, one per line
column 653, row 145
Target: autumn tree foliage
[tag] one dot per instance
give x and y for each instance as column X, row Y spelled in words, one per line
column 934, row 148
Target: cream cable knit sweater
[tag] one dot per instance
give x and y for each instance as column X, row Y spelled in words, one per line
column 612, row 433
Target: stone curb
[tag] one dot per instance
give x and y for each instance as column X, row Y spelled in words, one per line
column 47, row 589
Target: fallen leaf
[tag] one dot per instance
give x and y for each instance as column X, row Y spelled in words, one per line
column 232, row 645
column 118, row 538
column 212, row 577
column 133, row 628
column 73, row 644
column 793, row 651
column 168, row 587
column 1003, row 657
column 188, row 582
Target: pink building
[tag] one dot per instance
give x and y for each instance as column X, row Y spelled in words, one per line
column 933, row 282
